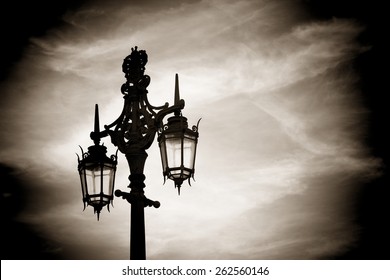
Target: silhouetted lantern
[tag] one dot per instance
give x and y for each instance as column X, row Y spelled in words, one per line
column 97, row 173
column 97, row 176
column 178, row 150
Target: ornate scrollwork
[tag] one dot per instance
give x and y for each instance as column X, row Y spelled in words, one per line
column 196, row 127
column 136, row 129
column 83, row 154
column 114, row 158
column 141, row 84
column 138, row 123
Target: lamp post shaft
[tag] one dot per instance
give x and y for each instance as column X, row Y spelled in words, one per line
column 136, row 161
column 137, row 230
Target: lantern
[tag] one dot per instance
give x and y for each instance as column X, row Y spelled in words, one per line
column 97, row 173
column 97, row 176
column 178, row 149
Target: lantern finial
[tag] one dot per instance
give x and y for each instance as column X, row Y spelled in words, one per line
column 177, row 94
column 97, row 209
column 96, row 135
column 178, row 186
column 96, row 127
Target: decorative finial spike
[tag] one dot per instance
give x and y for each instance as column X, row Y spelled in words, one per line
column 177, row 93
column 95, row 134
column 96, row 128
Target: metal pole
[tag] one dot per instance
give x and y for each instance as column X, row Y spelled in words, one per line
column 137, row 230
column 136, row 162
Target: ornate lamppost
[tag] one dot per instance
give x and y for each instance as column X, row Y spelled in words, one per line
column 133, row 132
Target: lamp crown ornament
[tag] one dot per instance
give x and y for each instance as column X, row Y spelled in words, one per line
column 134, row 64
column 134, row 68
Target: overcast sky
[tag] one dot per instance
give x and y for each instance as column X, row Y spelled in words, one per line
column 282, row 153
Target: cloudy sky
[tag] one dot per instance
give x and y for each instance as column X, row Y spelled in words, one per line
column 284, row 152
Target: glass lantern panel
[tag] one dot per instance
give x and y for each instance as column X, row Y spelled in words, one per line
column 163, row 151
column 189, row 146
column 175, row 174
column 112, row 179
column 94, row 200
column 186, row 173
column 83, row 182
column 173, row 145
column 108, row 175
column 93, row 176
column 105, row 200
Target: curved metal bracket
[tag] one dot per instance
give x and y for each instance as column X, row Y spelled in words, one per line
column 132, row 197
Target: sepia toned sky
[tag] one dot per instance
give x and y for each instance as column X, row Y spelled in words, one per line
column 283, row 155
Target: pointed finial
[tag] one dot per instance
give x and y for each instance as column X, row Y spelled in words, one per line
column 96, row 210
column 178, row 186
column 96, row 131
column 177, row 94
column 96, row 127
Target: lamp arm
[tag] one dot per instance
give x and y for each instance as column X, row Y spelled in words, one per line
column 151, row 107
column 98, row 135
column 174, row 108
column 131, row 197
column 107, row 127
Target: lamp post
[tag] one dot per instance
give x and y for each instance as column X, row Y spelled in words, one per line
column 133, row 132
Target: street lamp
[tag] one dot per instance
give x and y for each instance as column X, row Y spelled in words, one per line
column 133, row 132
column 178, row 146
column 97, row 172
